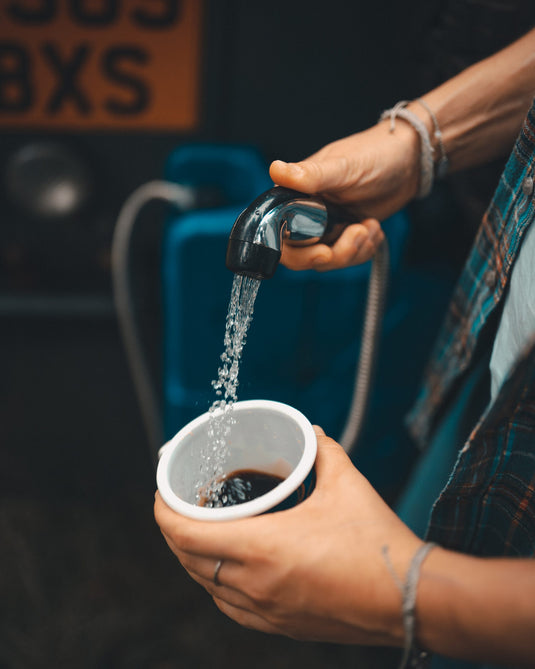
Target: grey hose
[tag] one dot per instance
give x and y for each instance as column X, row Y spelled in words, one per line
column 377, row 287
column 182, row 198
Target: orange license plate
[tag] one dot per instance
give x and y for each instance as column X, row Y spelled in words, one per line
column 100, row 64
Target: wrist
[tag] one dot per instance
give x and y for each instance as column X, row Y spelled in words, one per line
column 404, row 145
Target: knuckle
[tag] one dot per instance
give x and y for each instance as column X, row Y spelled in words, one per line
column 264, row 591
column 261, row 596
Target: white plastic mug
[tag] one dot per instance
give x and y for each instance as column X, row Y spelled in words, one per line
column 267, row 436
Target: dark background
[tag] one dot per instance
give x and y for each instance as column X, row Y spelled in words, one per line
column 85, row 578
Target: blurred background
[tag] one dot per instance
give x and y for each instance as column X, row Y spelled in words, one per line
column 98, row 98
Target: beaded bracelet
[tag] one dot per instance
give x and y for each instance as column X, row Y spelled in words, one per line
column 412, row 656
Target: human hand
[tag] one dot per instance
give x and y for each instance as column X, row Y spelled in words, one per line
column 372, row 174
column 313, row 572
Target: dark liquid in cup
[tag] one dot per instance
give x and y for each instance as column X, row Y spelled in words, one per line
column 239, row 487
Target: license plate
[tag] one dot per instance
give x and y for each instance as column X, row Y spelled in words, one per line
column 100, row 64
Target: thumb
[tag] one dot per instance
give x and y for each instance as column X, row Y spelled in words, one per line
column 309, row 176
column 331, row 457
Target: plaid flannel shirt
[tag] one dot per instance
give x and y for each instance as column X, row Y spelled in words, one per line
column 488, row 505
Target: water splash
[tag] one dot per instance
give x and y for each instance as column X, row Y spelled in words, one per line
column 239, row 316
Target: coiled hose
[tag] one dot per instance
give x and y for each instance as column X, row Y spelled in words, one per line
column 369, row 346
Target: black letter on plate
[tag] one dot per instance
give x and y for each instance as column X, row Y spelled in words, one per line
column 166, row 15
column 43, row 13
column 15, row 89
column 103, row 17
column 67, row 72
column 111, row 65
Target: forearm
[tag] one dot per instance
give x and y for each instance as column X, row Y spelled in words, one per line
column 480, row 111
column 477, row 608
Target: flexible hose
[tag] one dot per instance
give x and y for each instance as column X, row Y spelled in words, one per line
column 373, row 318
column 182, row 198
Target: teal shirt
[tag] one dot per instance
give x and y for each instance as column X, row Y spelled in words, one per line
column 481, row 471
column 487, row 505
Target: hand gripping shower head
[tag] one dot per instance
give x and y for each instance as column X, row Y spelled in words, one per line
column 255, row 242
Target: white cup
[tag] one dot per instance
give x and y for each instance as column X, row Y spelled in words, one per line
column 267, row 436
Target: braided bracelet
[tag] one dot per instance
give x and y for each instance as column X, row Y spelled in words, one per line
column 426, row 149
column 443, row 162
column 412, row 656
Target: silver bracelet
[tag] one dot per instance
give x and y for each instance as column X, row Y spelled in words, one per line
column 412, row 656
column 441, row 168
column 426, row 148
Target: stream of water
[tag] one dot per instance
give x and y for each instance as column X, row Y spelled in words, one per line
column 239, row 316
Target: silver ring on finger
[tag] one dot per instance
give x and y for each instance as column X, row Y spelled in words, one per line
column 217, row 569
